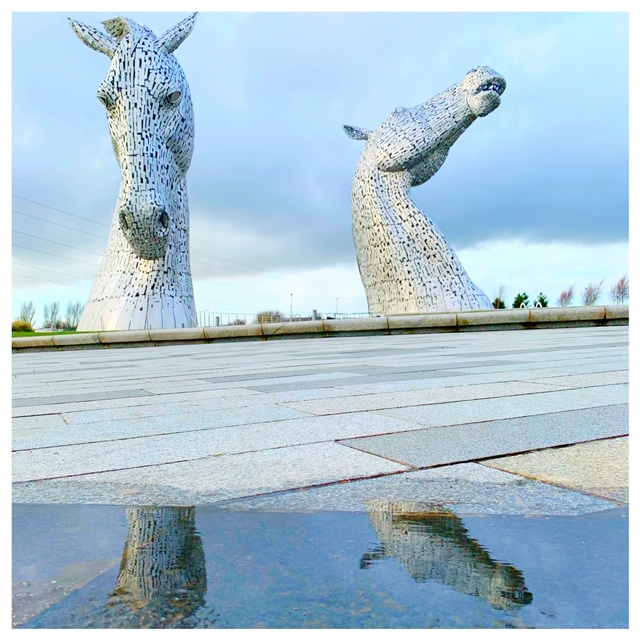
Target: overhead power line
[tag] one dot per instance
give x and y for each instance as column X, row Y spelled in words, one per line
column 66, row 284
column 261, row 270
column 57, row 224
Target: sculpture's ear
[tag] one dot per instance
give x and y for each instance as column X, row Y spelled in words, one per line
column 171, row 39
column 355, row 133
column 93, row 38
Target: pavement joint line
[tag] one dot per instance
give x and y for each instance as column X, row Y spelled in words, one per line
column 329, row 483
column 461, row 424
column 379, row 455
column 485, row 458
column 433, row 404
column 215, row 455
column 551, row 482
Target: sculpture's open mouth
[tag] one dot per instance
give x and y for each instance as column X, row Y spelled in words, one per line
column 496, row 85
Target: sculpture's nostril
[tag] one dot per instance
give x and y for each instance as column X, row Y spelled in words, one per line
column 123, row 220
column 164, row 219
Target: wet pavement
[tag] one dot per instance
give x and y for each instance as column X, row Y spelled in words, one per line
column 395, row 566
column 411, row 481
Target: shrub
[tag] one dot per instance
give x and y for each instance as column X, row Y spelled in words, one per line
column 21, row 325
column 542, row 299
column 521, row 298
column 269, row 316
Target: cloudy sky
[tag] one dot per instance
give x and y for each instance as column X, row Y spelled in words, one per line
column 533, row 197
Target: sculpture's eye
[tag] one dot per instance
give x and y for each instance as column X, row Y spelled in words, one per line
column 173, row 97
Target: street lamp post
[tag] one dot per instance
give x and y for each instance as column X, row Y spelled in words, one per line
column 291, row 308
column 337, row 306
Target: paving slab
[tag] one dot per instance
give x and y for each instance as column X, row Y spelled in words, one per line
column 183, row 407
column 60, row 453
column 465, row 489
column 149, row 399
column 212, row 479
column 372, row 402
column 454, row 413
column 600, row 467
column 151, row 426
column 79, row 397
column 246, row 407
column 461, row 443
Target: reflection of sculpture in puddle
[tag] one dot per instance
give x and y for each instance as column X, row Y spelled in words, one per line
column 432, row 544
column 162, row 578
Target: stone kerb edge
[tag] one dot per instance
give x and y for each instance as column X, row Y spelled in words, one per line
column 355, row 326
column 120, row 337
column 231, row 332
column 421, row 323
column 617, row 312
column 566, row 314
column 176, row 335
column 492, row 317
column 292, row 328
column 410, row 323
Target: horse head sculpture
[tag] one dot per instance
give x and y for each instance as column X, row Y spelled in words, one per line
column 150, row 117
column 144, row 281
column 406, row 264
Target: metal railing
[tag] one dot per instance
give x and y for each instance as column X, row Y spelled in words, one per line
column 208, row 318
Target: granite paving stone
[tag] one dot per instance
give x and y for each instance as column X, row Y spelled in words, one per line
column 474, row 441
column 600, row 467
column 152, row 426
column 464, row 489
column 62, row 453
column 239, row 415
column 213, row 479
column 511, row 407
column 448, row 378
column 183, row 407
column 372, row 402
column 80, row 397
column 149, row 399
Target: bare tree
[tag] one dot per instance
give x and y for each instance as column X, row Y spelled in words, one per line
column 27, row 312
column 51, row 315
column 619, row 292
column 498, row 302
column 74, row 311
column 566, row 297
column 591, row 293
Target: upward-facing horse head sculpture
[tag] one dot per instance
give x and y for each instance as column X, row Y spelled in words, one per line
column 144, row 281
column 406, row 264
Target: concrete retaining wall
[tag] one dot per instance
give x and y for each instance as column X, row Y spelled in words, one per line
column 492, row 320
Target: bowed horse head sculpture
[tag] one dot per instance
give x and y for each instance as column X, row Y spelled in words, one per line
column 406, row 264
column 150, row 116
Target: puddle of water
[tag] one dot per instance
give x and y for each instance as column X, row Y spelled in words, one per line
column 397, row 566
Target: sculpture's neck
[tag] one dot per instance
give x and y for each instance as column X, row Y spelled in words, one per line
column 382, row 189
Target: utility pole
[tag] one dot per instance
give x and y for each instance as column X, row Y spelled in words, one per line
column 291, row 309
column 337, row 306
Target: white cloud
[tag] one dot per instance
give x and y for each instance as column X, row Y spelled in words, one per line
column 544, row 267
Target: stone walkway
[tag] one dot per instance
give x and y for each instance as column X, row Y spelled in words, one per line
column 500, row 422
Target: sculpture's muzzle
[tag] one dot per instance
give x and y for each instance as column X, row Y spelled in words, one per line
column 146, row 228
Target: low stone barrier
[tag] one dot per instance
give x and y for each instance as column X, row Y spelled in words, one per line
column 491, row 320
